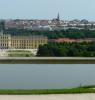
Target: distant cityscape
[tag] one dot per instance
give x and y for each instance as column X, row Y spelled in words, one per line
column 53, row 24
column 55, row 37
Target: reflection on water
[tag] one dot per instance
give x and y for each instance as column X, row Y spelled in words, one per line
column 45, row 76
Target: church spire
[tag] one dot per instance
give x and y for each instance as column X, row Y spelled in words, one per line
column 58, row 17
column 2, row 27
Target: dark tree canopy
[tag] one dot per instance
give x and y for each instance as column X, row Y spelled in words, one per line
column 69, row 33
column 67, row 50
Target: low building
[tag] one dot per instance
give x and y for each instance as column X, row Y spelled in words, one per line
column 28, row 42
column 62, row 40
column 22, row 42
column 68, row 40
column 5, row 41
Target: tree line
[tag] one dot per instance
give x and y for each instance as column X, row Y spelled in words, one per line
column 68, row 33
column 67, row 50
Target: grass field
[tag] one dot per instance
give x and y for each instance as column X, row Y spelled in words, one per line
column 19, row 53
column 34, row 61
column 50, row 91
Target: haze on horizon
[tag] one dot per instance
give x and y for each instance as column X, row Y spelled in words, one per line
column 47, row 9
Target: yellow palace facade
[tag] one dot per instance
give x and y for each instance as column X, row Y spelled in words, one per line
column 22, row 42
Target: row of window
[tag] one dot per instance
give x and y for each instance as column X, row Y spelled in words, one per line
column 3, row 41
column 4, row 37
column 25, row 47
column 23, row 44
column 4, row 47
column 16, row 41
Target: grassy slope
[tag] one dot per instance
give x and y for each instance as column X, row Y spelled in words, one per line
column 19, row 53
column 16, row 61
column 50, row 91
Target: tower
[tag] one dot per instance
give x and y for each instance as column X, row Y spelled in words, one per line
column 58, row 17
column 58, row 21
column 2, row 27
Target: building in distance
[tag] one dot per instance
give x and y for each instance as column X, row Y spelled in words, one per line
column 22, row 42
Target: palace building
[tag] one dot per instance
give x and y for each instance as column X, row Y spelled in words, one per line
column 28, row 42
column 22, row 42
column 5, row 41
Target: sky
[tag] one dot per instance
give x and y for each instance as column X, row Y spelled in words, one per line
column 47, row 9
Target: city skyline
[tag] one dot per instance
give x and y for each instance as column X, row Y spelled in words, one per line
column 46, row 9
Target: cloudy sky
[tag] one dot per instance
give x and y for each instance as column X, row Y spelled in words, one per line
column 47, row 9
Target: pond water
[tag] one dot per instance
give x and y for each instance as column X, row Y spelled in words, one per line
column 45, row 76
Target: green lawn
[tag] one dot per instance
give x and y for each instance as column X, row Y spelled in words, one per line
column 36, row 61
column 50, row 91
column 20, row 53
